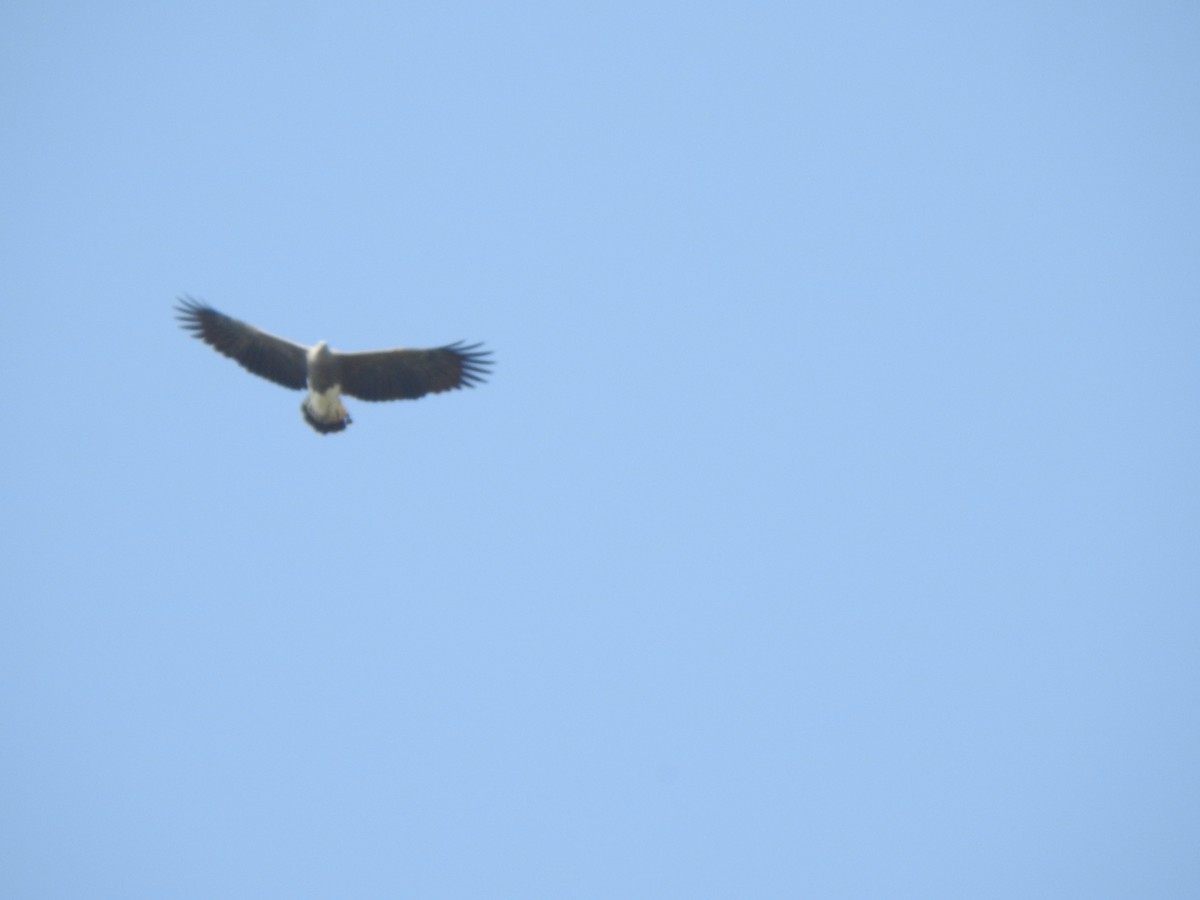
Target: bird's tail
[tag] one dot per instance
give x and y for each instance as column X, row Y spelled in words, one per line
column 325, row 412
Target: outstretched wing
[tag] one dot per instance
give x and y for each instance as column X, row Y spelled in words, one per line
column 409, row 374
column 256, row 351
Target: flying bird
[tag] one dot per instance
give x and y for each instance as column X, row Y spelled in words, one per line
column 327, row 374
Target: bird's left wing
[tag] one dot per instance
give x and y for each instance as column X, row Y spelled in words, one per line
column 409, row 374
column 256, row 351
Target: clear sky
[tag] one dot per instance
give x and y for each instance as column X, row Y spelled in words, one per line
column 829, row 527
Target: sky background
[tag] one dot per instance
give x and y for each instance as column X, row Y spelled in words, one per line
column 829, row 527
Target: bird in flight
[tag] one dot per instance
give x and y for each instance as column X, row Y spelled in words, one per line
column 327, row 374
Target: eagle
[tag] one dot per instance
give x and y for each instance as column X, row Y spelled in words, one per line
column 398, row 374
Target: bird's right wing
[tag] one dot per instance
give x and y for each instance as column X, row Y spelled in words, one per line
column 256, row 351
column 409, row 374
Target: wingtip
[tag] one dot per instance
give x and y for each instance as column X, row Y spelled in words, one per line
column 189, row 313
column 476, row 365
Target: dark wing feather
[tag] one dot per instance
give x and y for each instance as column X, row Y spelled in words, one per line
column 409, row 374
column 256, row 351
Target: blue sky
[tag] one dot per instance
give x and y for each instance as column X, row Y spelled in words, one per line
column 829, row 526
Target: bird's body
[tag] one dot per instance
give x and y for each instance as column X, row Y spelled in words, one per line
column 327, row 374
column 323, row 408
